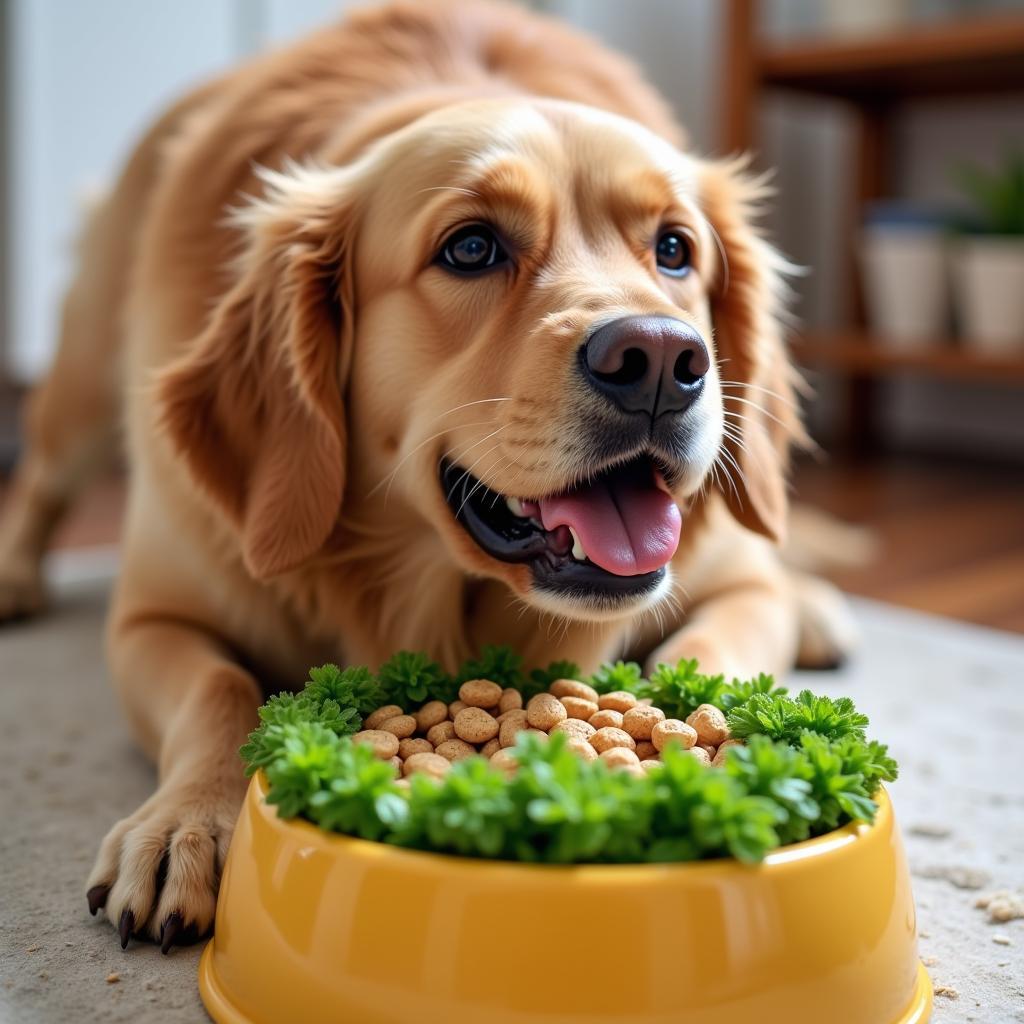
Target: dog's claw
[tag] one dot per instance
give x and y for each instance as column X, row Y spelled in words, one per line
column 97, row 897
column 173, row 932
column 169, row 930
column 125, row 927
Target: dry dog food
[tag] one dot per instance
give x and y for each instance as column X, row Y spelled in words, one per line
column 486, row 719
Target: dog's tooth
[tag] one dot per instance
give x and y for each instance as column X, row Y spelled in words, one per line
column 577, row 546
column 515, row 506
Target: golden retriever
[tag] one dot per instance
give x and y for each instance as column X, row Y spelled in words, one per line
column 427, row 333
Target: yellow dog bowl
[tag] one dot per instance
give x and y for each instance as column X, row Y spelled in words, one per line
column 314, row 928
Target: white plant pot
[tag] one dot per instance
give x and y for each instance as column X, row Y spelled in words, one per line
column 864, row 17
column 988, row 278
column 905, row 283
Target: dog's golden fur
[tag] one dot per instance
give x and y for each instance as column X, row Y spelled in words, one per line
column 292, row 367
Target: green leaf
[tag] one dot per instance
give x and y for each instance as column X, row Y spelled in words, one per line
column 499, row 664
column 622, row 675
column 680, row 689
column 410, row 678
column 997, row 195
column 739, row 691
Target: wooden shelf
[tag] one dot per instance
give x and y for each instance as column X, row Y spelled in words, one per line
column 983, row 54
column 862, row 355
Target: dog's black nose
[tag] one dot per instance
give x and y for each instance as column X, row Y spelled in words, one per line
column 652, row 364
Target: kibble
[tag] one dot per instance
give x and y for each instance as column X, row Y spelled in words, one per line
column 511, row 700
column 577, row 707
column 408, row 747
column 441, row 732
column 672, row 730
column 625, row 733
column 617, row 700
column 401, row 726
column 573, row 688
column 385, row 744
column 505, row 760
column 710, row 724
column 480, row 693
column 608, row 737
column 545, row 711
column 606, row 719
column 455, row 750
column 513, row 724
column 640, row 721
column 429, row 764
column 575, row 728
column 432, row 713
column 380, row 716
column 619, row 757
column 582, row 748
column 723, row 752
column 475, row 725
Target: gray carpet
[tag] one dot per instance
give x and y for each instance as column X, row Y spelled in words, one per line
column 948, row 698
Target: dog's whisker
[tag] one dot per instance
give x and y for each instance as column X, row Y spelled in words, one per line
column 737, row 439
column 725, row 474
column 760, row 408
column 725, row 256
column 433, row 437
column 449, row 188
column 730, row 459
column 758, row 387
column 457, row 454
column 476, row 462
column 467, row 405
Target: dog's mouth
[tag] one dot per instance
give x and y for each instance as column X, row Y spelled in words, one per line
column 610, row 537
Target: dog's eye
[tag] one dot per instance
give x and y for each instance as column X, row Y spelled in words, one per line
column 673, row 253
column 472, row 249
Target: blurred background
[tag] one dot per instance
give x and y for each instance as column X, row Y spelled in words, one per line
column 896, row 130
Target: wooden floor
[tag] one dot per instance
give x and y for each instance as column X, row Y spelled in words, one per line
column 951, row 537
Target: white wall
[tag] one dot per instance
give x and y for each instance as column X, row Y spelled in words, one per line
column 85, row 80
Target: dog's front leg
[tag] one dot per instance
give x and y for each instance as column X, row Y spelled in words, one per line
column 157, row 870
column 749, row 627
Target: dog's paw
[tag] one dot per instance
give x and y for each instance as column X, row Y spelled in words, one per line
column 828, row 632
column 157, row 871
column 22, row 593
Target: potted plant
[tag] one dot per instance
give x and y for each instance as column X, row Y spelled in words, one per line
column 988, row 258
column 903, row 262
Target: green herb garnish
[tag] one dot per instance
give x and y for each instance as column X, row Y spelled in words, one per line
column 805, row 768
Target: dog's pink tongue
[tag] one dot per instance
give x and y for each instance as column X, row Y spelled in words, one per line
column 627, row 526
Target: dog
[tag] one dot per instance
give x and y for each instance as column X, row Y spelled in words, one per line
column 426, row 332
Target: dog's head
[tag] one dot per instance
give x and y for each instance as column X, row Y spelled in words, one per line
column 532, row 330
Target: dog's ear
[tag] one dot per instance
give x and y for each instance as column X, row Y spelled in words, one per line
column 759, row 382
column 254, row 406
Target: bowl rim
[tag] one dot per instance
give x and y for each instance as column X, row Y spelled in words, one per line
column 333, row 843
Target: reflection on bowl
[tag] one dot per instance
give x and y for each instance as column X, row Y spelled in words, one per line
column 313, row 927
